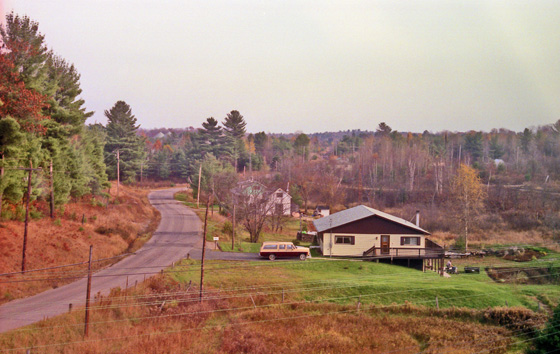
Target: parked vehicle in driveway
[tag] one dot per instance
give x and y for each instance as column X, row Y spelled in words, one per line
column 275, row 249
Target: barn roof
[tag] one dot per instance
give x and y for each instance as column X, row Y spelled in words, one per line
column 358, row 213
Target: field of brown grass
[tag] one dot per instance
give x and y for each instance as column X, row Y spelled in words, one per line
column 114, row 228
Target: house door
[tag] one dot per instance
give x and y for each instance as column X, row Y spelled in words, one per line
column 385, row 248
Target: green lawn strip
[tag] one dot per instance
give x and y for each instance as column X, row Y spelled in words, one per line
column 345, row 282
column 240, row 247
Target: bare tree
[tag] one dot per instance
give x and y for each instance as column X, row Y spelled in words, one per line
column 252, row 201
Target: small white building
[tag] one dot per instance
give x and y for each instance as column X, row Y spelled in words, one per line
column 322, row 210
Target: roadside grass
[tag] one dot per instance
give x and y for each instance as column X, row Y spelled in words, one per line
column 121, row 226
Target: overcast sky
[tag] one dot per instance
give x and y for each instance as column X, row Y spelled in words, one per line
column 313, row 66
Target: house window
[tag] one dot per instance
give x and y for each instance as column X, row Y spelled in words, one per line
column 279, row 194
column 346, row 240
column 410, row 241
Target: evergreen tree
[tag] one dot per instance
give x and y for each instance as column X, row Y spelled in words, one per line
column 18, row 101
column 122, row 137
column 301, row 145
column 234, row 128
column 24, row 46
column 211, row 138
column 260, row 142
column 41, row 93
column 496, row 149
column 525, row 140
column 94, row 144
column 383, row 129
column 473, row 144
column 11, row 141
column 65, row 107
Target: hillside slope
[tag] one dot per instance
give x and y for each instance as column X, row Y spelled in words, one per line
column 120, row 226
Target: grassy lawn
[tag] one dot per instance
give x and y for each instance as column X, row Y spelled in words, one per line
column 346, row 281
column 240, row 247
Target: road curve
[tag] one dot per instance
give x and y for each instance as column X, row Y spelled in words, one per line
column 177, row 234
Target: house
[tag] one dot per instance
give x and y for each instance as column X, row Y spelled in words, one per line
column 322, row 210
column 278, row 202
column 366, row 232
column 282, row 202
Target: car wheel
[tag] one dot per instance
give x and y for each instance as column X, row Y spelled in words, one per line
column 302, row 256
column 272, row 257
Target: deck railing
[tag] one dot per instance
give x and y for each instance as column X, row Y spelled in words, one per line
column 402, row 252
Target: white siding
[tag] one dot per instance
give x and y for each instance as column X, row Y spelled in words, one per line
column 285, row 200
column 363, row 242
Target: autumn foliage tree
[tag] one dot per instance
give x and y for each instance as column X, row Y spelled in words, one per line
column 19, row 102
column 469, row 195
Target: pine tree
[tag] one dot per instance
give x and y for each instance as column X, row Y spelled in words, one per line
column 122, row 136
column 211, row 138
column 234, row 129
column 24, row 46
column 16, row 100
column 64, row 106
column 11, row 139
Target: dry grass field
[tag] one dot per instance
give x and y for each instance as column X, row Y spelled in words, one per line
column 120, row 226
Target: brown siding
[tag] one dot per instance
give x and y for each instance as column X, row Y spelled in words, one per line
column 375, row 225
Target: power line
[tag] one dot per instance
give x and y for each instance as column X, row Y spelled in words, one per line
column 218, row 326
column 278, row 292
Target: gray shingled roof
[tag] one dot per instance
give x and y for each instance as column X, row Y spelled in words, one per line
column 357, row 213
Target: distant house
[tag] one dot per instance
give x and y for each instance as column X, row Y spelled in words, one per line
column 322, row 210
column 279, row 202
column 363, row 231
column 498, row 162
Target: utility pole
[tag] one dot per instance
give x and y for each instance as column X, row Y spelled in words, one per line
column 118, row 171
column 141, row 170
column 88, row 291
column 331, row 243
column 1, row 177
column 360, row 181
column 233, row 228
column 30, row 169
column 198, row 194
column 52, row 189
column 203, row 250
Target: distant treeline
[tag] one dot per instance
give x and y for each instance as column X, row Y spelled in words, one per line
column 42, row 121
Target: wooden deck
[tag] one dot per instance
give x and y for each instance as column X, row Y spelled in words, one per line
column 401, row 252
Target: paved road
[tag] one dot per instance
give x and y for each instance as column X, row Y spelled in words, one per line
column 178, row 233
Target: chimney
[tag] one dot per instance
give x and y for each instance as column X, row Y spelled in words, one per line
column 418, row 218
